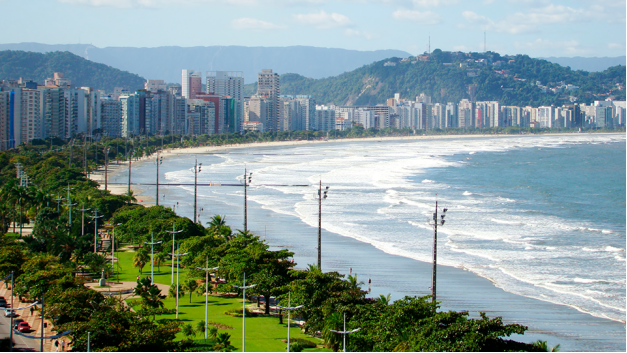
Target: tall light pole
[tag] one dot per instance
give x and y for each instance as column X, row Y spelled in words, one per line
column 197, row 169
column 95, row 216
column 321, row 196
column 244, row 287
column 206, row 269
column 247, row 180
column 113, row 247
column 173, row 232
column 344, row 333
column 177, row 255
column 106, row 152
column 58, row 200
column 83, row 218
column 130, row 163
column 289, row 308
column 152, row 256
column 69, row 204
column 435, row 248
column 159, row 161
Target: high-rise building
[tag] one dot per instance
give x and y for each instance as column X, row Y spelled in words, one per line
column 229, row 83
column 155, row 85
column 268, row 87
column 111, row 117
column 191, row 84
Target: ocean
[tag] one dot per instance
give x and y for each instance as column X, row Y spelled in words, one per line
column 539, row 218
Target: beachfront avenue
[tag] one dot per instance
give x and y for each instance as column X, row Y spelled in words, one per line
column 92, row 292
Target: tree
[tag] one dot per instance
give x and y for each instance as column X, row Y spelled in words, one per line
column 188, row 330
column 150, row 294
column 190, row 286
column 223, row 343
column 141, row 258
column 159, row 258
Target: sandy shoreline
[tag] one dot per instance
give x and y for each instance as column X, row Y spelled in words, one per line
column 121, row 166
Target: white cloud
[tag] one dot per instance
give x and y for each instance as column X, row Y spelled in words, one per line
column 349, row 32
column 424, row 17
column 323, row 20
column 616, row 46
column 165, row 3
column 254, row 24
column 568, row 47
column 434, row 3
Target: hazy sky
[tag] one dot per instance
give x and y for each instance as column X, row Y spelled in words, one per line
column 539, row 28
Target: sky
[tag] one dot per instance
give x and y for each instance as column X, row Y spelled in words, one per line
column 538, row 28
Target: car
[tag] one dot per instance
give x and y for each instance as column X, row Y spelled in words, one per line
column 4, row 305
column 17, row 322
column 23, row 327
column 9, row 313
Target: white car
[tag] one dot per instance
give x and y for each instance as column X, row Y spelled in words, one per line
column 9, row 313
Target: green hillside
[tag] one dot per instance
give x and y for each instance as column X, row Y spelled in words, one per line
column 83, row 73
column 451, row 76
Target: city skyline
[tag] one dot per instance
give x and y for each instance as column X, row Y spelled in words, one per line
column 538, row 28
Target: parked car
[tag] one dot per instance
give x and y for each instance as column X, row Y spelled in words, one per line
column 4, row 305
column 9, row 313
column 17, row 322
column 23, row 327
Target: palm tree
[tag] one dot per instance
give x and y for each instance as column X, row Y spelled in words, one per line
column 385, row 299
column 190, row 286
column 159, row 258
column 543, row 346
column 141, row 258
column 188, row 330
column 353, row 282
column 331, row 339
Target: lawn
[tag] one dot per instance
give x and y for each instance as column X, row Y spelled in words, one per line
column 263, row 333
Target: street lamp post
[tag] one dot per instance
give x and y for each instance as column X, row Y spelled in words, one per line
column 435, row 247
column 244, row 287
column 197, row 169
column 113, row 247
column 58, row 200
column 344, row 333
column 159, row 161
column 69, row 204
column 83, row 218
column 130, row 163
column 177, row 255
column 289, row 308
column 173, row 232
column 206, row 269
column 247, row 180
column 321, row 196
column 152, row 256
column 95, row 216
column 106, row 165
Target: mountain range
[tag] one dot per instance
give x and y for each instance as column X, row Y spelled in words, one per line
column 166, row 63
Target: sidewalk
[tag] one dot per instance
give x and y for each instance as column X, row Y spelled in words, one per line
column 33, row 320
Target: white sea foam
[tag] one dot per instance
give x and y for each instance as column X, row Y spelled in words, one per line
column 467, row 193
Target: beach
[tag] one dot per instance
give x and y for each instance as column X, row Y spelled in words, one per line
column 458, row 289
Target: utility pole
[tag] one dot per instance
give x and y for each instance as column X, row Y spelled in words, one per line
column 173, row 232
column 321, row 195
column 130, row 163
column 247, row 180
column 159, row 161
column 344, row 333
column 289, row 309
column 69, row 204
column 197, row 169
column 177, row 255
column 83, row 218
column 95, row 217
column 206, row 269
column 152, row 255
column 106, row 165
column 244, row 287
column 435, row 248
column 58, row 199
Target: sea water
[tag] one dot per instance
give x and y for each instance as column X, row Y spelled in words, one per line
column 539, row 216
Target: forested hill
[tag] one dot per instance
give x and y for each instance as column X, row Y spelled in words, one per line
column 83, row 73
column 449, row 77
